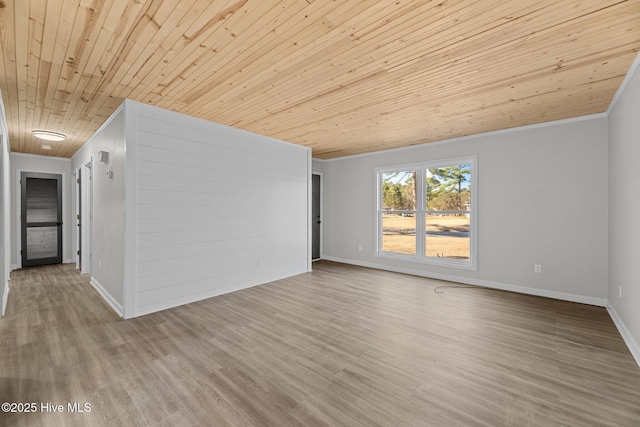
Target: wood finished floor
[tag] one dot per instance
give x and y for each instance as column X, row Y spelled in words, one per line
column 342, row 346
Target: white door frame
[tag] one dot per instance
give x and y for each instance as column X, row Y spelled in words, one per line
column 86, row 198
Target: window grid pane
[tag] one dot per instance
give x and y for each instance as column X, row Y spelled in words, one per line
column 398, row 217
column 448, row 236
column 399, row 233
column 447, row 212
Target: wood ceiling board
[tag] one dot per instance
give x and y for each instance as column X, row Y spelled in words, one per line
column 238, row 68
column 550, row 77
column 258, row 103
column 398, row 106
column 185, row 54
column 462, row 112
column 340, row 77
column 536, row 84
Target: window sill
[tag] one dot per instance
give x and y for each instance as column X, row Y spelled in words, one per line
column 439, row 262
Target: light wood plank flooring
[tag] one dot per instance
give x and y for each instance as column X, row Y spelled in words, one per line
column 342, row 346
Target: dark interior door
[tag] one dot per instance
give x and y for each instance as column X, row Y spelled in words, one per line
column 41, row 218
column 316, row 218
column 79, row 217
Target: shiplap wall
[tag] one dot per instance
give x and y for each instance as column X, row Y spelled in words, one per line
column 217, row 209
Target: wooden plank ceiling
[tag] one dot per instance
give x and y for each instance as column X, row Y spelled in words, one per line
column 341, row 77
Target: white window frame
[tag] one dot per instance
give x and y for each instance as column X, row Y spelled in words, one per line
column 421, row 210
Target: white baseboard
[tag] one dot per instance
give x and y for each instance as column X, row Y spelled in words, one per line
column 634, row 348
column 5, row 298
column 601, row 302
column 14, row 267
column 110, row 300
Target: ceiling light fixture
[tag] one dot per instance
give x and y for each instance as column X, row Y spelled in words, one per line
column 47, row 135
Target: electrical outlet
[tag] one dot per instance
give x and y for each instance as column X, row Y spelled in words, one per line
column 537, row 268
column 259, row 262
column 620, row 291
column 359, row 248
column 99, row 264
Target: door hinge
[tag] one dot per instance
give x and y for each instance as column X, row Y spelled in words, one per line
column 78, row 216
column 77, row 252
column 77, row 180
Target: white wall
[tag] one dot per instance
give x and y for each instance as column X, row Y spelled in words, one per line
column 542, row 196
column 108, row 208
column 216, row 209
column 318, row 165
column 624, row 207
column 44, row 164
column 5, row 211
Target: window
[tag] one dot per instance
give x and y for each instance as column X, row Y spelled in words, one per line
column 437, row 197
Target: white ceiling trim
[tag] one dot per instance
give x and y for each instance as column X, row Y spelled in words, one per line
column 477, row 135
column 625, row 82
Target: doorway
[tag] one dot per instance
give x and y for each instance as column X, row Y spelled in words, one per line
column 84, row 191
column 41, row 214
column 316, row 216
column 78, row 206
